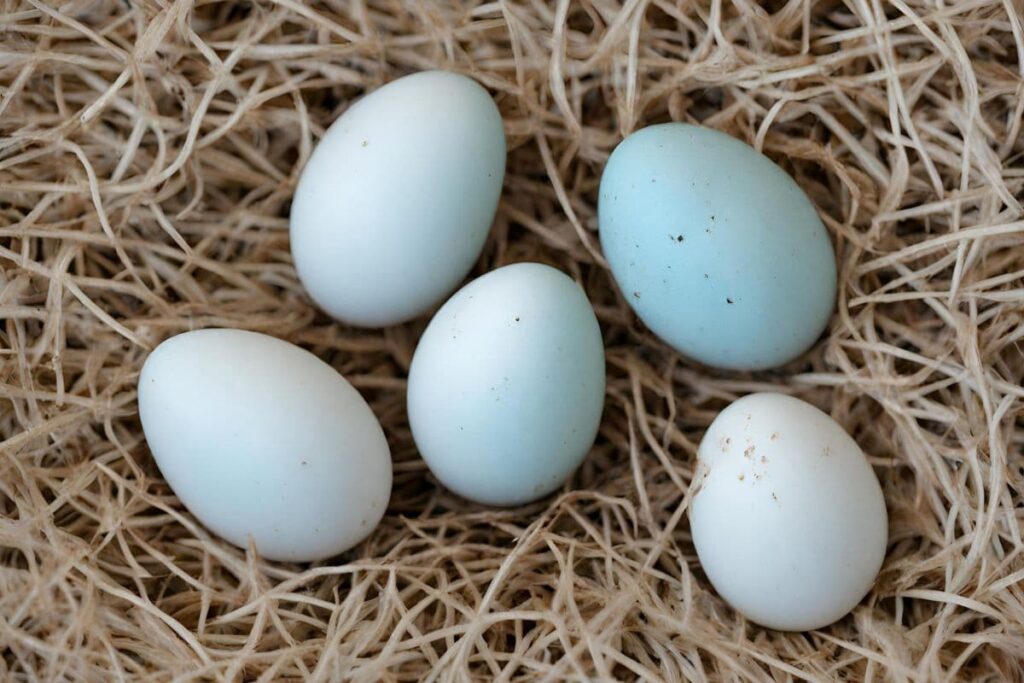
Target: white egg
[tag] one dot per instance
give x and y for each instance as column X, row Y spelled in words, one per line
column 262, row 440
column 397, row 199
column 506, row 386
column 787, row 515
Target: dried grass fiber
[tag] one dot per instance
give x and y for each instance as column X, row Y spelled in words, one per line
column 149, row 150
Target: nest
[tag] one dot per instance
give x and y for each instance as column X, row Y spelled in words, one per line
column 148, row 154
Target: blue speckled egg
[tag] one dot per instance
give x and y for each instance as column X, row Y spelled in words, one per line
column 716, row 248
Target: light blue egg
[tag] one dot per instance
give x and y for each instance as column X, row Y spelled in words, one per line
column 716, row 248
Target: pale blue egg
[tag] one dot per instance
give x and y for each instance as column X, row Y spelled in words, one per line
column 716, row 248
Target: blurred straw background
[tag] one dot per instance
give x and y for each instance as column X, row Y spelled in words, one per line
column 148, row 153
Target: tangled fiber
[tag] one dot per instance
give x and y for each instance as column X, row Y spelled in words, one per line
column 149, row 151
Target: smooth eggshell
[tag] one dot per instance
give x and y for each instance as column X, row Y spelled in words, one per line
column 787, row 516
column 396, row 201
column 715, row 247
column 261, row 439
column 506, row 386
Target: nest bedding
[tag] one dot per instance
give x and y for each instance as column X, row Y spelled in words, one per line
column 149, row 153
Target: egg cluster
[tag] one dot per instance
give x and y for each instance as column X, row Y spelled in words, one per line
column 716, row 249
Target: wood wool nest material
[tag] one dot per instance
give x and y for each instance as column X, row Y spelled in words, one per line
column 148, row 153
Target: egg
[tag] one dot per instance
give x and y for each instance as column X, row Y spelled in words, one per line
column 787, row 516
column 262, row 440
column 506, row 386
column 396, row 201
column 716, row 248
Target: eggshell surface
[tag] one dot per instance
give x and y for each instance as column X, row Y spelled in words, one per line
column 717, row 249
column 787, row 516
column 506, row 386
column 261, row 439
column 396, row 201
